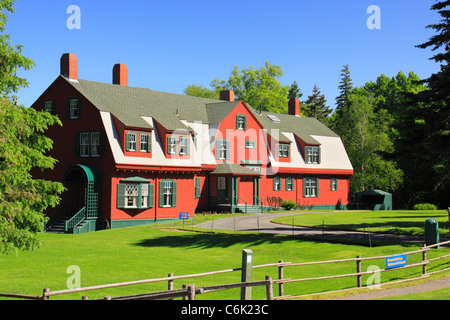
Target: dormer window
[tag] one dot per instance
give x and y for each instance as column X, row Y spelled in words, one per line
column 241, row 122
column 283, row 150
column 312, row 155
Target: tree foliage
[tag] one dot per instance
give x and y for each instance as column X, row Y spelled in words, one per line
column 22, row 148
column 429, row 110
column 259, row 87
column 315, row 106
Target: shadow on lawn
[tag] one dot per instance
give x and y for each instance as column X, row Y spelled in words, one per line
column 202, row 240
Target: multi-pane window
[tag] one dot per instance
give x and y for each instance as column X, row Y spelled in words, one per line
column 334, row 184
column 138, row 142
column 84, row 144
column 312, row 155
column 50, row 107
column 310, row 187
column 132, row 141
column 95, row 144
column 131, row 195
column 250, row 144
column 172, row 145
column 184, row 145
column 134, row 195
column 143, row 146
column 289, row 183
column 277, row 183
column 241, row 122
column 222, row 149
column 283, row 150
column 90, row 144
column 74, row 109
column 167, row 194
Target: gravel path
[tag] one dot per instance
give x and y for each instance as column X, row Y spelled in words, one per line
column 262, row 223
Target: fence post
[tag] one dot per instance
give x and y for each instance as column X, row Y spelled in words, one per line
column 185, row 297
column 269, row 288
column 170, row 283
column 424, row 258
column 44, row 294
column 358, row 270
column 191, row 291
column 247, row 273
column 280, row 276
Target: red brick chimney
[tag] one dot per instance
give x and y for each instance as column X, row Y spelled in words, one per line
column 227, row 95
column 294, row 107
column 120, row 74
column 69, row 66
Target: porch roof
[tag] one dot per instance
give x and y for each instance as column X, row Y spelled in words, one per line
column 229, row 168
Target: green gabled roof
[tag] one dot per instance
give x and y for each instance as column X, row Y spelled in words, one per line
column 303, row 127
column 229, row 168
column 130, row 104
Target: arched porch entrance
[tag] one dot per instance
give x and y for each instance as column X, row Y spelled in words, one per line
column 81, row 200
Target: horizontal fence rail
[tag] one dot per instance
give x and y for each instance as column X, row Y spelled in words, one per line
column 188, row 292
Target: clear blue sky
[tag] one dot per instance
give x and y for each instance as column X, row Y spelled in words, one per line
column 168, row 45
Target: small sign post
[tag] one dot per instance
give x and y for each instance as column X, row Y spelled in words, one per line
column 184, row 216
column 396, row 261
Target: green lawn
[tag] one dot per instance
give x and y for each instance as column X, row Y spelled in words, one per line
column 396, row 222
column 129, row 254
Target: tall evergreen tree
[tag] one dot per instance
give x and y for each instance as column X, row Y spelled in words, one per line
column 337, row 122
column 432, row 113
column 345, row 86
column 315, row 106
column 294, row 91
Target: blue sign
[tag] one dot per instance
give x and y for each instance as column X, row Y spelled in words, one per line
column 396, row 261
column 184, row 215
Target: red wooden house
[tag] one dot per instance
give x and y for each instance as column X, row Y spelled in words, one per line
column 133, row 156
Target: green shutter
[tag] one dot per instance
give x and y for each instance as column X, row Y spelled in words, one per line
column 68, row 109
column 228, row 150
column 127, row 143
column 304, row 187
column 197, row 187
column 139, row 198
column 245, row 122
column 174, row 193
column 319, row 155
column 121, row 196
column 317, row 191
column 151, row 196
column 77, row 144
column 188, row 142
column 161, row 194
column 217, row 148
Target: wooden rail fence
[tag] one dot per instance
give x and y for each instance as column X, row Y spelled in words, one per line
column 189, row 292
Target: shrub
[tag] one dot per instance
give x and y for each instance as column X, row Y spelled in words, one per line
column 288, row 204
column 424, row 206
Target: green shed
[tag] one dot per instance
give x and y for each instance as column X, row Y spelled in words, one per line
column 374, row 200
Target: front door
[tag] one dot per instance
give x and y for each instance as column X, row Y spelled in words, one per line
column 222, row 189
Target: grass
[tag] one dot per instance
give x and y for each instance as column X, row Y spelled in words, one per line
column 128, row 254
column 395, row 222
